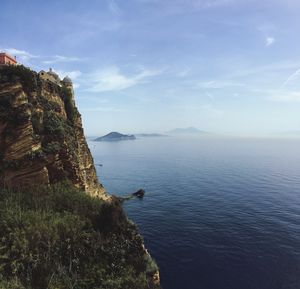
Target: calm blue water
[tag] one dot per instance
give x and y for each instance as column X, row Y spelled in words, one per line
column 218, row 213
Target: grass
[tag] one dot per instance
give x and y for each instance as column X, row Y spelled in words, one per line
column 58, row 237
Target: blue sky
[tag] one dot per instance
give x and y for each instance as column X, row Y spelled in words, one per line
column 224, row 66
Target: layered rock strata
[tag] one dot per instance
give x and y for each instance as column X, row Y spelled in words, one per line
column 41, row 135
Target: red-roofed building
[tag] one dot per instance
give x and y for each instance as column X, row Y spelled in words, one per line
column 6, row 59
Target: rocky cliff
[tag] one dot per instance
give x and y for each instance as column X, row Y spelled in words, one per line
column 41, row 135
column 52, row 235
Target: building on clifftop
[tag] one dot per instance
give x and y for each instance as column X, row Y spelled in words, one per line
column 50, row 76
column 6, row 59
column 53, row 77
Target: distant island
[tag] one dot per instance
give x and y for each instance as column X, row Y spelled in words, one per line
column 187, row 130
column 115, row 136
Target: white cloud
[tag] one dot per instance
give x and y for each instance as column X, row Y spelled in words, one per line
column 60, row 58
column 24, row 55
column 292, row 77
column 111, row 79
column 269, row 41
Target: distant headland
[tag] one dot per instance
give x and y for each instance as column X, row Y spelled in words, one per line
column 115, row 136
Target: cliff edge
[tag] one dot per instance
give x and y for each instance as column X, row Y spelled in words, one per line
column 41, row 135
column 59, row 229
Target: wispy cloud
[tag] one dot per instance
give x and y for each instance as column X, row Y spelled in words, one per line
column 193, row 3
column 285, row 96
column 218, row 84
column 212, row 111
column 74, row 75
column 114, row 8
column 24, row 55
column 111, row 79
column 209, row 95
column 269, row 41
column 206, row 109
column 184, row 72
column 264, row 69
column 279, row 95
column 215, row 3
column 292, row 77
column 181, row 7
column 61, row 58
column 102, row 109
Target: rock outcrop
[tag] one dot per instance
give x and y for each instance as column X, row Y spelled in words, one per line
column 42, row 143
column 41, row 135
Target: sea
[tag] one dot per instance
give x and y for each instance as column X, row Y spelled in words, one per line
column 218, row 213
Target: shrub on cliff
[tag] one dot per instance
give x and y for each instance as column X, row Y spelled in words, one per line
column 70, row 108
column 58, row 237
column 13, row 73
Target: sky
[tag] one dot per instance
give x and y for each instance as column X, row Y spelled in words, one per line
column 144, row 66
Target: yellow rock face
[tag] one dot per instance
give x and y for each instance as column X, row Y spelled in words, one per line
column 41, row 134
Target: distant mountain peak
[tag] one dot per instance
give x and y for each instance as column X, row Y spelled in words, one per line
column 187, row 130
column 150, row 135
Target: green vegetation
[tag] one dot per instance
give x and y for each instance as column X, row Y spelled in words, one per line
column 52, row 147
column 15, row 164
column 151, row 266
column 12, row 284
column 71, row 110
column 37, row 122
column 55, row 124
column 16, row 116
column 49, row 126
column 5, row 106
column 58, row 237
column 14, row 73
column 52, row 127
column 5, row 101
column 61, row 238
column 57, row 129
column 8, row 164
column 33, row 155
column 47, row 104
